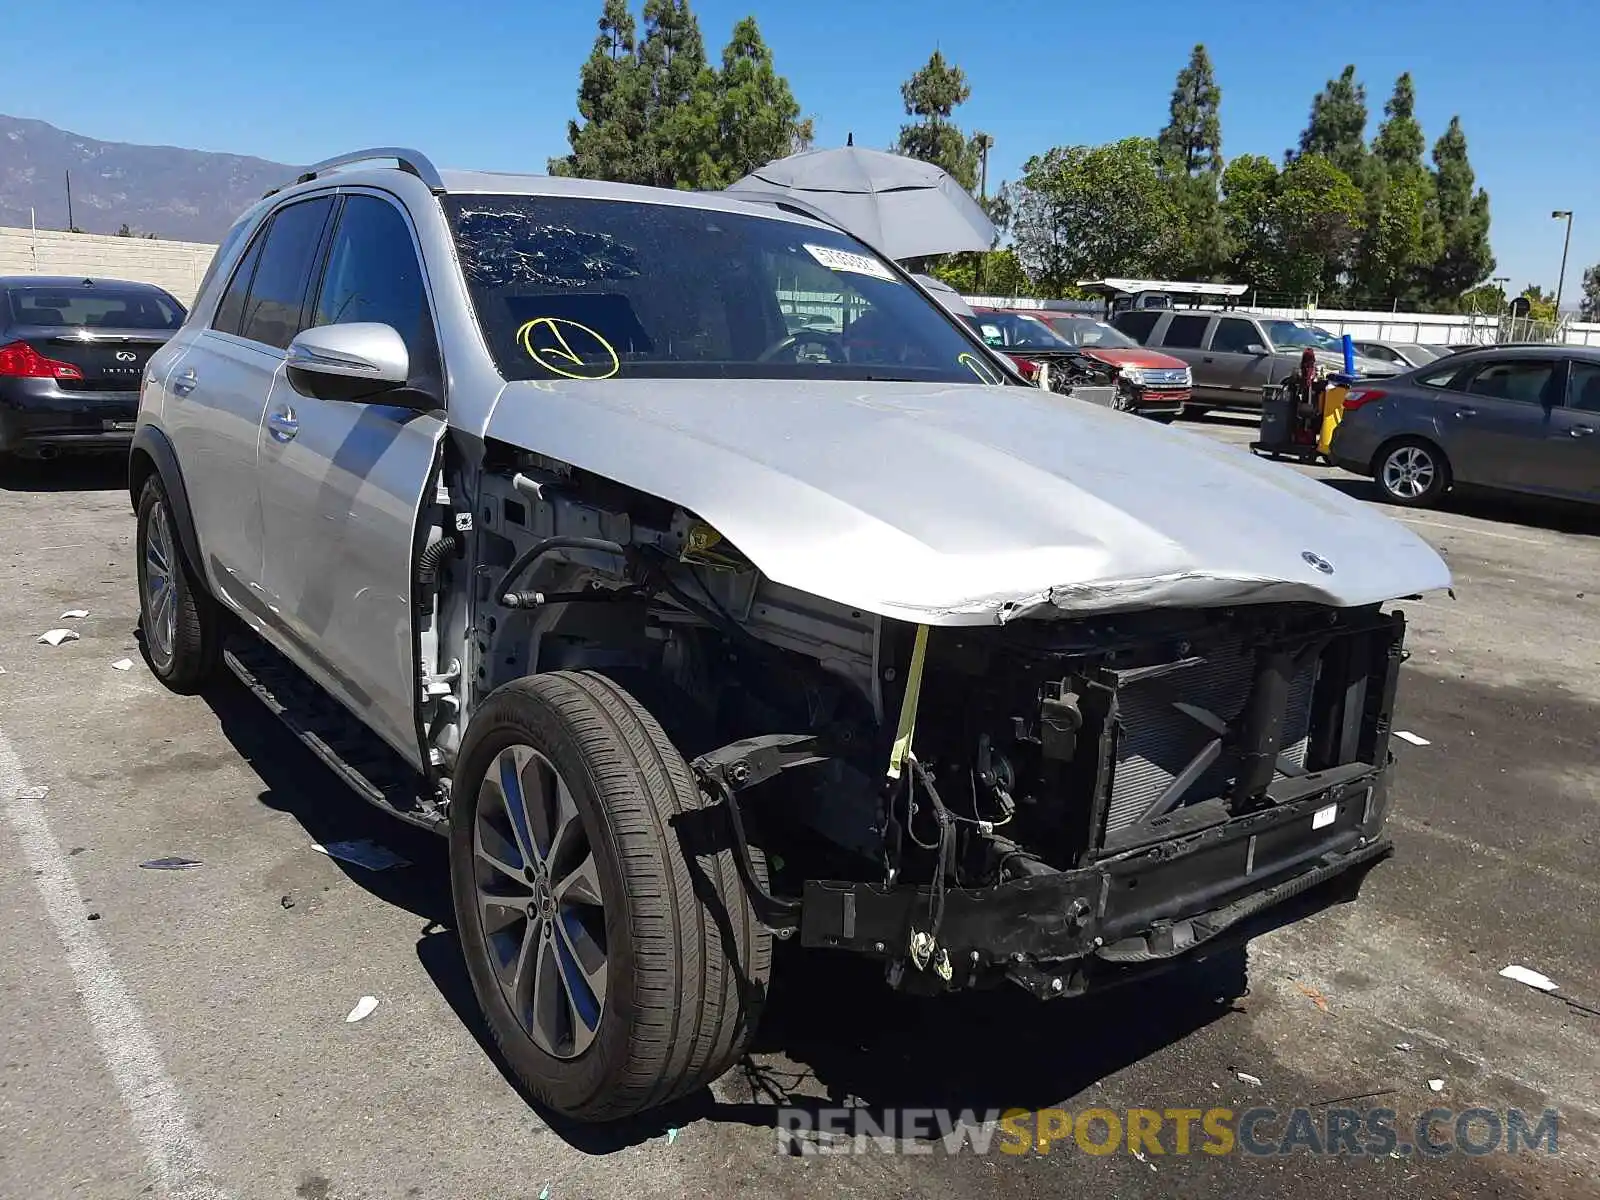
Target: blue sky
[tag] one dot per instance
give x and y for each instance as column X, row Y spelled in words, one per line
column 493, row 86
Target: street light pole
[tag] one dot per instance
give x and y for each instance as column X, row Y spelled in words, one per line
column 1561, row 280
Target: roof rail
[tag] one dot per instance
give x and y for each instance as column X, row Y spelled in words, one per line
column 413, row 162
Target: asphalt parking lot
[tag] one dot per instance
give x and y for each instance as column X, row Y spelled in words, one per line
column 183, row 1032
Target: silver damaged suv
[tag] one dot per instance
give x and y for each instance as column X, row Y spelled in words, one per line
column 706, row 583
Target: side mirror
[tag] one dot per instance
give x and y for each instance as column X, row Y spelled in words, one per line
column 1256, row 348
column 358, row 361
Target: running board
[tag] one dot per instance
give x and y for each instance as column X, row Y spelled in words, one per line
column 357, row 755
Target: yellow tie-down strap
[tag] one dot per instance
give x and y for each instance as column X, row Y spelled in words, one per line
column 908, row 705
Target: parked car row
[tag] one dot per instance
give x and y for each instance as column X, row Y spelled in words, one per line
column 1143, row 381
column 1233, row 355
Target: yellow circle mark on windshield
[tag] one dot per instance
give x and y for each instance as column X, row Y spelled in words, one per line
column 972, row 364
column 568, row 349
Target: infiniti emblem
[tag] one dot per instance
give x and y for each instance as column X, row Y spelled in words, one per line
column 1317, row 561
column 126, row 356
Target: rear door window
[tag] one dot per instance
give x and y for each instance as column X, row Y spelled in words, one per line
column 1186, row 332
column 273, row 309
column 1521, row 381
column 1233, row 335
column 1583, row 390
column 1137, row 325
column 230, row 309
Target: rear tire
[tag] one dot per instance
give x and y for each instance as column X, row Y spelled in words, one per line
column 179, row 619
column 661, row 968
column 1411, row 472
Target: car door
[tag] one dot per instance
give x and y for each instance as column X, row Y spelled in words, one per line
column 1495, row 422
column 1183, row 337
column 1238, row 358
column 216, row 396
column 342, row 483
column 1574, row 434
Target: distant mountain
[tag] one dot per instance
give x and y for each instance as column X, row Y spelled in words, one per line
column 191, row 195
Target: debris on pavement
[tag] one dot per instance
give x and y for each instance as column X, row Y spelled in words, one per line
column 54, row 637
column 286, row 901
column 544, row 1192
column 1314, row 996
column 1405, row 735
column 363, row 852
column 1246, row 1077
column 94, row 916
column 363, row 1009
column 1532, row 978
column 672, row 1136
column 122, row 664
column 172, row 863
column 1406, row 1046
column 1436, row 1085
column 72, row 614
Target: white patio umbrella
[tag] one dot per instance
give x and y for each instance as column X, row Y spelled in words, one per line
column 902, row 207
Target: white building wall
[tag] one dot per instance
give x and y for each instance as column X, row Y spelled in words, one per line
column 176, row 266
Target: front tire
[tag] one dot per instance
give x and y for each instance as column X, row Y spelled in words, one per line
column 1412, row 472
column 609, row 941
column 179, row 618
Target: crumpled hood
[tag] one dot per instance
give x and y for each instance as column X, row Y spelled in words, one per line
column 1134, row 356
column 967, row 504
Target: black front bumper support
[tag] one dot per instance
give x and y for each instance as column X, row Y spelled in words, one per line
column 1137, row 909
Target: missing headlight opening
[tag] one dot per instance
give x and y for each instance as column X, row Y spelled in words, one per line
column 1056, row 801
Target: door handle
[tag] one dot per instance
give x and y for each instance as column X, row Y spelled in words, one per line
column 283, row 424
column 185, row 383
column 1207, row 358
column 1581, row 430
column 1463, row 413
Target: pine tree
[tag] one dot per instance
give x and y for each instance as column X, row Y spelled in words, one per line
column 655, row 112
column 1191, row 149
column 1399, row 143
column 1193, row 136
column 1466, row 259
column 1337, row 129
column 681, row 89
column 1403, row 236
column 932, row 94
column 611, row 142
column 1589, row 306
column 757, row 118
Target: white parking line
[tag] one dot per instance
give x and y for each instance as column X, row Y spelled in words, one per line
column 173, row 1149
column 1488, row 533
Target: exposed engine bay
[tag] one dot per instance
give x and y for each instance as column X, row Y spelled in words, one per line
column 970, row 804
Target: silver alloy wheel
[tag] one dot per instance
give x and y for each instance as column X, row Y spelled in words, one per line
column 540, row 902
column 160, row 603
column 1409, row 472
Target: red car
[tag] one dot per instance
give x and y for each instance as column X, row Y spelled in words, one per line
column 1148, row 382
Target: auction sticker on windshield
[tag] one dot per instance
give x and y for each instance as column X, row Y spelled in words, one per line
column 843, row 260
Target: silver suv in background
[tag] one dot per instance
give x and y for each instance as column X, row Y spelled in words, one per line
column 528, row 505
column 1233, row 355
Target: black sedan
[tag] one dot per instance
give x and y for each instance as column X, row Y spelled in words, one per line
column 72, row 355
column 1522, row 418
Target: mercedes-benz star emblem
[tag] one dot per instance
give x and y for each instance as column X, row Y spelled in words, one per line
column 1317, row 561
